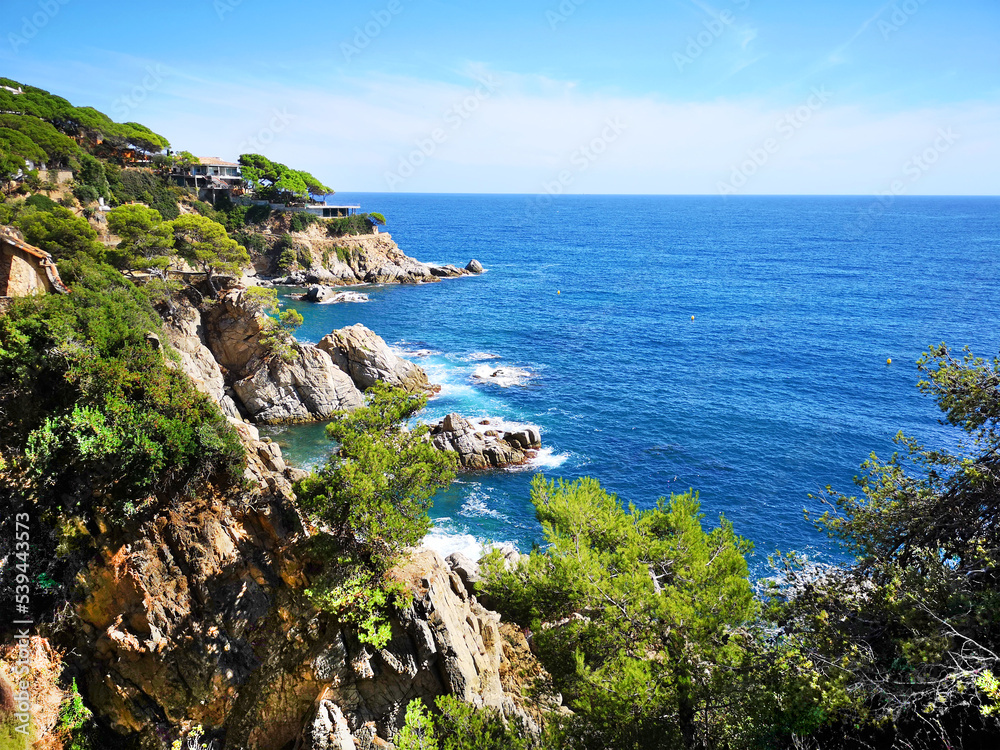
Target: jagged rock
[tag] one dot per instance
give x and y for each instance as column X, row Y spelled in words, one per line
column 474, row 266
column 328, row 294
column 329, row 730
column 448, row 271
column 476, row 450
column 309, row 386
column 233, row 332
column 366, row 357
column 467, row 570
column 185, row 333
column 524, row 439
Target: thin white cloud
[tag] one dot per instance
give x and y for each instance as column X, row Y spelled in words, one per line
column 525, row 133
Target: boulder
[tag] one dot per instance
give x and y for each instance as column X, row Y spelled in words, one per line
column 474, row 266
column 476, row 450
column 307, row 387
column 467, row 570
column 317, row 293
column 524, row 439
column 448, row 271
column 233, row 330
column 367, row 359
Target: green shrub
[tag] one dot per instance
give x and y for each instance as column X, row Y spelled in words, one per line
column 286, row 260
column 41, row 202
column 302, row 220
column 258, row 214
column 143, row 186
column 92, row 407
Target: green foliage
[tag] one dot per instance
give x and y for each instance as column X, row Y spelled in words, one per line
column 358, row 595
column 205, row 244
column 376, row 490
column 376, row 218
column 646, row 616
column 144, row 186
column 58, row 231
column 31, row 138
column 257, row 214
column 276, row 333
column 41, row 202
column 147, row 241
column 286, row 260
column 418, row 731
column 349, row 225
column 72, row 713
column 302, row 220
column 371, row 500
column 908, row 632
column 83, row 121
column 93, row 175
column 92, row 407
column 277, row 183
column 86, row 194
column 462, row 726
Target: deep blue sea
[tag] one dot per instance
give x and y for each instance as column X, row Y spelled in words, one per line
column 778, row 386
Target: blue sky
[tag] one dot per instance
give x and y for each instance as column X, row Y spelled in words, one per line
column 674, row 96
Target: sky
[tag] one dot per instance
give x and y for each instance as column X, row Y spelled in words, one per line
column 731, row 97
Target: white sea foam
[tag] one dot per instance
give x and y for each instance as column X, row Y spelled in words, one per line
column 547, row 458
column 476, row 506
column 478, row 356
column 345, row 297
column 445, row 542
column 505, row 377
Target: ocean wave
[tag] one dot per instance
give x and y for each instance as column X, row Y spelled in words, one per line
column 504, row 377
column 547, row 458
column 445, row 542
column 479, row 356
column 476, row 506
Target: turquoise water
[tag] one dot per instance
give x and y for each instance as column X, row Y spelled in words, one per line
column 778, row 387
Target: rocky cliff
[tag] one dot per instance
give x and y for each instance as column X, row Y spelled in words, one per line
column 223, row 346
column 197, row 616
column 352, row 259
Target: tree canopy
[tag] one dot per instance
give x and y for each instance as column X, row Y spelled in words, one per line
column 206, row 244
column 638, row 615
column 275, row 182
column 84, row 122
column 147, row 241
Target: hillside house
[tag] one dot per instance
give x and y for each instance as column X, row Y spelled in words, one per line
column 211, row 177
column 25, row 269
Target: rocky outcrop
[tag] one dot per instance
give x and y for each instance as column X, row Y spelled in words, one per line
column 197, row 617
column 225, row 351
column 366, row 357
column 329, row 295
column 480, row 447
column 368, row 259
column 304, row 387
column 185, row 333
column 474, row 266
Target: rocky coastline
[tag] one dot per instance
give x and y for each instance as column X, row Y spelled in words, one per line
column 196, row 615
column 348, row 261
column 223, row 347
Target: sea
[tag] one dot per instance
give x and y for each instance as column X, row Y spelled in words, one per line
column 752, row 349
